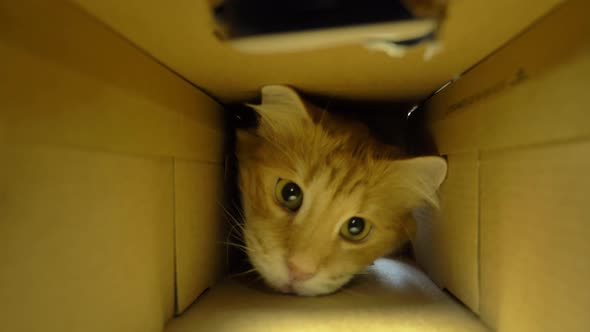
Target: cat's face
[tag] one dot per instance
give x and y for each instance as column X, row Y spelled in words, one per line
column 321, row 202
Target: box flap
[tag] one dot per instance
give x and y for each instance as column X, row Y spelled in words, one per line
column 180, row 35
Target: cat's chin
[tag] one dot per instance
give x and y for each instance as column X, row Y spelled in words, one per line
column 311, row 288
column 299, row 291
column 312, row 293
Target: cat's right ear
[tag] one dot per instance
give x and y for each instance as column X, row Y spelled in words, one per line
column 282, row 109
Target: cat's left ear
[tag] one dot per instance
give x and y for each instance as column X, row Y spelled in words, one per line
column 415, row 183
column 420, row 179
column 281, row 109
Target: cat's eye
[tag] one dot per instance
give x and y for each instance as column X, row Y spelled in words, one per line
column 355, row 229
column 288, row 194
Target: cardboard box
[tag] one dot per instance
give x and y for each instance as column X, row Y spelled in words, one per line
column 516, row 124
column 112, row 156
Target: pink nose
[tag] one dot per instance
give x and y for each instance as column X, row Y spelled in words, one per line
column 299, row 271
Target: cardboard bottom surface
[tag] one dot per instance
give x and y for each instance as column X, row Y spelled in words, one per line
column 392, row 296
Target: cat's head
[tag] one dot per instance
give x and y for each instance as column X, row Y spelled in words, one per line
column 322, row 199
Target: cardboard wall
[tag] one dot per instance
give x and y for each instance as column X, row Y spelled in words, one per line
column 181, row 35
column 516, row 127
column 448, row 248
column 106, row 159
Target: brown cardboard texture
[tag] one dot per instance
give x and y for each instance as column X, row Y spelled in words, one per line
column 517, row 125
column 111, row 164
column 180, row 35
column 94, row 136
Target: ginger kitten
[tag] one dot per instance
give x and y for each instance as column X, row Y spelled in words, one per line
column 321, row 198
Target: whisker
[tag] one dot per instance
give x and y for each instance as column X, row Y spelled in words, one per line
column 227, row 240
column 239, row 246
column 234, row 222
column 233, row 233
column 252, row 270
column 233, row 218
column 238, row 209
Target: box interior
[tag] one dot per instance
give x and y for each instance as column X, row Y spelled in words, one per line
column 114, row 144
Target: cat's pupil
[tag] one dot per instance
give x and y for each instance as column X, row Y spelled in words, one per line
column 291, row 192
column 356, row 225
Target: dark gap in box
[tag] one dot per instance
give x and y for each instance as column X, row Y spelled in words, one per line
column 261, row 17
